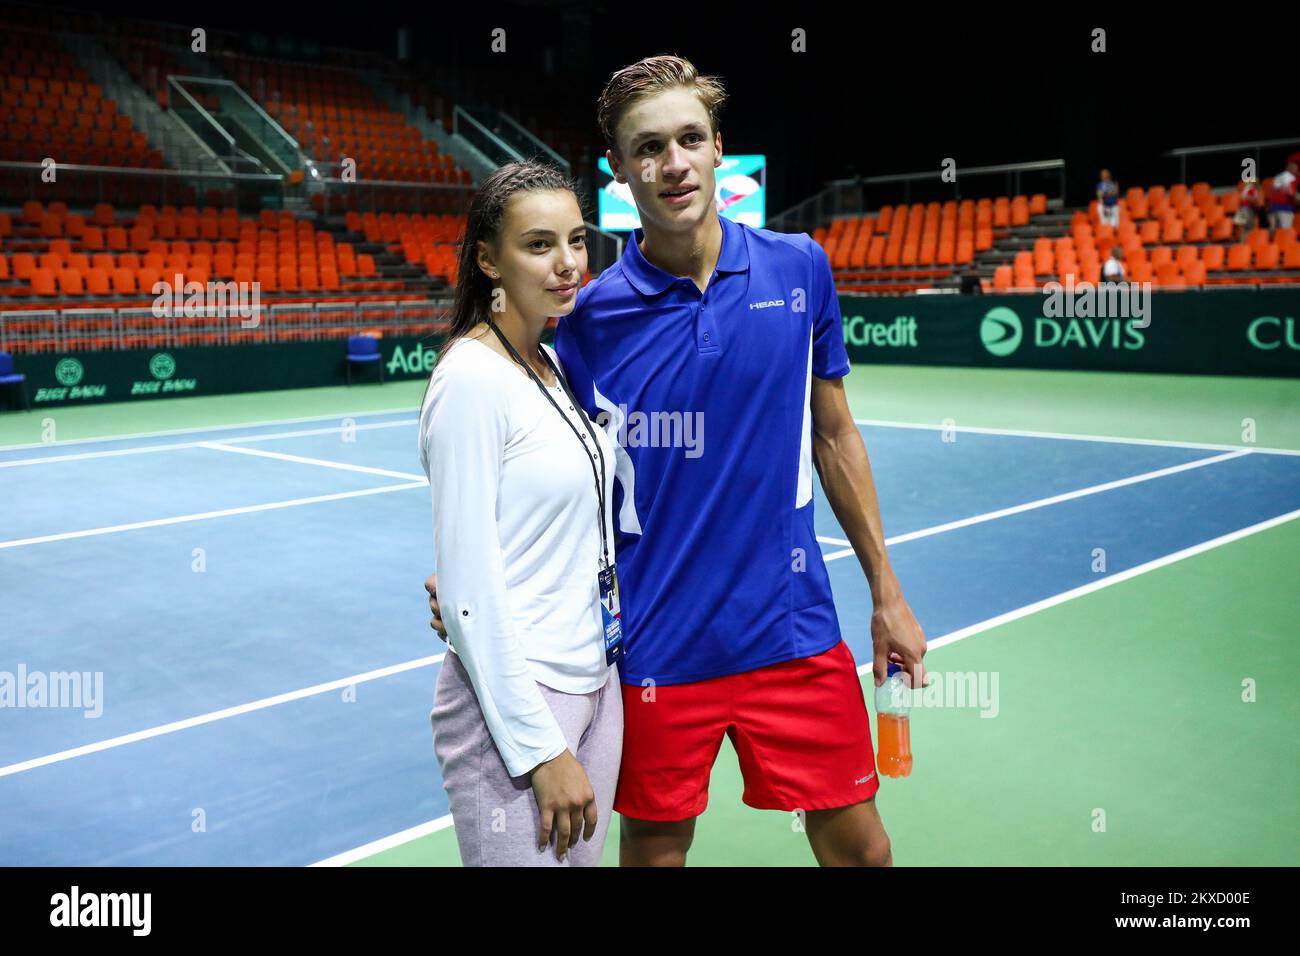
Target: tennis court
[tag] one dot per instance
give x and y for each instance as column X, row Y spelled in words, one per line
column 1103, row 557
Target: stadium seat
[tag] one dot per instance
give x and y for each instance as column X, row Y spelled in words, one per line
column 71, row 282
column 43, row 283
column 146, row 278
column 23, row 265
column 123, row 281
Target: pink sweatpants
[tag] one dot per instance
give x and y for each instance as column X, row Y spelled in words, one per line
column 496, row 815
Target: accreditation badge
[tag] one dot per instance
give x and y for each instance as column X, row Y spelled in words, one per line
column 610, row 614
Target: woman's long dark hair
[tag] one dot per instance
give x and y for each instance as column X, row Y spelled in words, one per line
column 473, row 302
column 483, row 222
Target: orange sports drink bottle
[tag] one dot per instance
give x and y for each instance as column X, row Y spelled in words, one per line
column 893, row 731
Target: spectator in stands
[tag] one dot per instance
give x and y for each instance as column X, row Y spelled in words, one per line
column 1281, row 201
column 1113, row 268
column 528, row 713
column 1252, row 203
column 970, row 281
column 1108, row 200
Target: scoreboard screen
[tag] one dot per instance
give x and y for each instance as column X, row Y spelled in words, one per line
column 741, row 194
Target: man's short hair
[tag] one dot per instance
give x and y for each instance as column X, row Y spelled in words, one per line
column 653, row 75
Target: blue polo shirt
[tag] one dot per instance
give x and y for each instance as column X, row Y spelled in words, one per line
column 707, row 398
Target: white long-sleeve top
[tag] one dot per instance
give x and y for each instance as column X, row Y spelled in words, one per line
column 517, row 542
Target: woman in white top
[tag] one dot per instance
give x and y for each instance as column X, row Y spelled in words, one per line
column 527, row 718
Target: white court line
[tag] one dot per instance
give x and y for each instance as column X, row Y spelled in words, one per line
column 1045, row 502
column 1015, row 432
column 176, row 446
column 216, row 715
column 415, row 481
column 962, row 633
column 209, row 428
column 320, row 462
column 387, row 843
column 924, row 426
column 931, row 645
column 420, row 481
column 204, row 516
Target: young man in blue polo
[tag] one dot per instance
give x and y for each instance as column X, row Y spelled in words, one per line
column 729, row 623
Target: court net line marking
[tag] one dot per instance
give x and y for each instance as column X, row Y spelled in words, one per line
column 320, row 462
column 273, row 436
column 177, row 446
column 1111, row 439
column 128, row 436
column 420, row 482
column 440, row 823
column 1052, row 500
column 414, row 481
column 188, row 722
column 206, row 515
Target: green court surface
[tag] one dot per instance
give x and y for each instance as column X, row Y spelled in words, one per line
column 1121, row 736
column 1145, row 723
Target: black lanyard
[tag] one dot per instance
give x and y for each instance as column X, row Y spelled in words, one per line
column 576, row 406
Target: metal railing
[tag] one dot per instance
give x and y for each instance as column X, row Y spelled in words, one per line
column 339, row 195
column 855, row 196
column 126, row 185
column 92, row 329
column 476, row 134
column 262, row 136
column 511, row 132
column 1231, row 171
column 202, row 123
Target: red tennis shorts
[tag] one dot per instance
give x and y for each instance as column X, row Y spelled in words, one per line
column 800, row 728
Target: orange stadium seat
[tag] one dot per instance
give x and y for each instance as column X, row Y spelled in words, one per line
column 43, row 282
column 123, row 281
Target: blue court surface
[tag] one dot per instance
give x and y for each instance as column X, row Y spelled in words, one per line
column 253, row 600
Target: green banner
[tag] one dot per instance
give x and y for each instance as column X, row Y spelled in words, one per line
column 88, row 377
column 1232, row 332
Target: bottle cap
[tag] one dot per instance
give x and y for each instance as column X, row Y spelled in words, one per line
column 893, row 669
